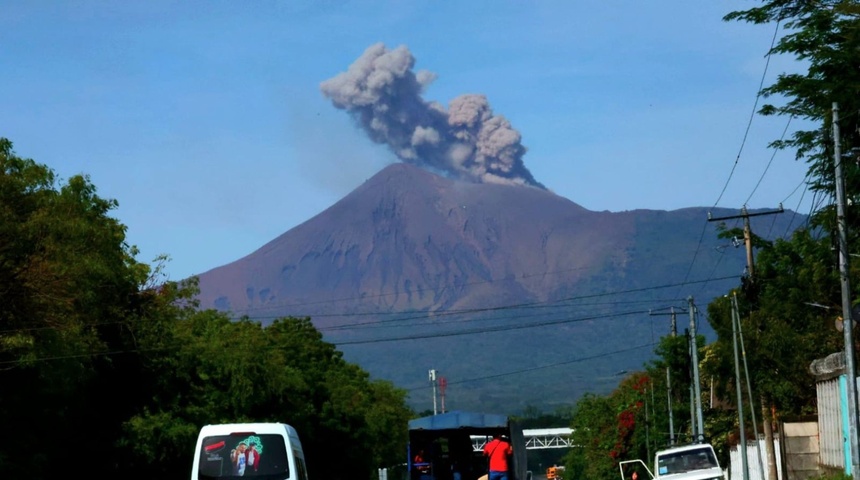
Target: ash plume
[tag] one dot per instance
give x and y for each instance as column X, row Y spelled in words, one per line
column 466, row 141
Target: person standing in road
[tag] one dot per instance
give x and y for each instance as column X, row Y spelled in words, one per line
column 498, row 451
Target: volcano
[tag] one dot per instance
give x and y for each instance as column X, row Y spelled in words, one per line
column 515, row 295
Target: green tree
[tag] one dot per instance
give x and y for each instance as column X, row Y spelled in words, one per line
column 109, row 368
column 224, row 371
column 607, row 430
column 788, row 328
column 784, row 325
column 632, row 422
column 825, row 36
column 673, row 352
column 68, row 284
column 594, row 433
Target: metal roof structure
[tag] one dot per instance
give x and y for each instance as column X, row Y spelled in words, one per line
column 459, row 420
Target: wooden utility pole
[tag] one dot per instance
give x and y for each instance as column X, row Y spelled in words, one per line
column 747, row 233
column 743, row 447
column 674, row 332
column 847, row 317
column 694, row 359
column 766, row 414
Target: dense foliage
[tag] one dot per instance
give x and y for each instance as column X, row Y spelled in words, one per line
column 108, row 372
column 634, row 420
column 789, row 306
column 790, row 303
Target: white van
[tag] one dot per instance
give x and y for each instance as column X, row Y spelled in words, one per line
column 264, row 451
column 688, row 462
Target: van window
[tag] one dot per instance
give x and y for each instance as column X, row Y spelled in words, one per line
column 236, row 455
column 300, row 466
column 687, row 461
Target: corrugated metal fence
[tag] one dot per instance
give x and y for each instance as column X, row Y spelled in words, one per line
column 830, row 431
column 755, row 451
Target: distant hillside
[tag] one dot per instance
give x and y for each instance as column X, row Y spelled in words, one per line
column 413, row 271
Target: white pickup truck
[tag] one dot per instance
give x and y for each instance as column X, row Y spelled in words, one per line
column 689, row 462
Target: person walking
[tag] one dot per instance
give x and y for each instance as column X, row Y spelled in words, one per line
column 498, row 451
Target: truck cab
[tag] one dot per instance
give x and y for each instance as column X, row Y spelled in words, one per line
column 688, row 462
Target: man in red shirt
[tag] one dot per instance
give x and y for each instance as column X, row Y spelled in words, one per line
column 421, row 464
column 499, row 449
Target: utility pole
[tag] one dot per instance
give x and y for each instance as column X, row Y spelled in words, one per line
column 847, row 328
column 443, row 385
column 694, row 359
column 743, row 448
column 766, row 420
column 432, row 376
column 674, row 332
column 693, row 434
column 669, row 387
column 747, row 374
column 747, row 233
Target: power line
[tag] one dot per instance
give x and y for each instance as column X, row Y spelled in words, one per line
column 417, row 291
column 537, row 304
column 415, row 314
column 740, row 150
column 413, row 337
column 87, row 355
column 487, row 330
column 752, row 114
column 540, row 367
column 387, row 324
column 766, row 168
column 799, row 202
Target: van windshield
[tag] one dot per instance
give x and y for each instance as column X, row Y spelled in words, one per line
column 686, row 461
column 263, row 457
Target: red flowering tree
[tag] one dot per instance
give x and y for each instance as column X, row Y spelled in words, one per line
column 610, row 429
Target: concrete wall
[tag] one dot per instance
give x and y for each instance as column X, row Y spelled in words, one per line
column 800, row 449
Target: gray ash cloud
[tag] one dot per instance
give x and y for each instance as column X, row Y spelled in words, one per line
column 466, row 140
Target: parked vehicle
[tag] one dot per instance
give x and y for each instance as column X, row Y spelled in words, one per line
column 263, row 451
column 688, row 462
column 449, row 446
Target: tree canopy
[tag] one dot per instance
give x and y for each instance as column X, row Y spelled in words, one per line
column 107, row 370
column 789, row 307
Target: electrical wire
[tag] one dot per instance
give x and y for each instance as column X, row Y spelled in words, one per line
column 418, row 314
column 766, row 168
column 473, row 331
column 752, row 115
column 740, row 150
column 417, row 291
column 539, row 367
column 537, row 304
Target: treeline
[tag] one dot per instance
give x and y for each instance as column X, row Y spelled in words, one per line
column 108, row 373
column 790, row 301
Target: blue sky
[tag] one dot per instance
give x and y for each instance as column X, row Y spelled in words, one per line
column 206, row 122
